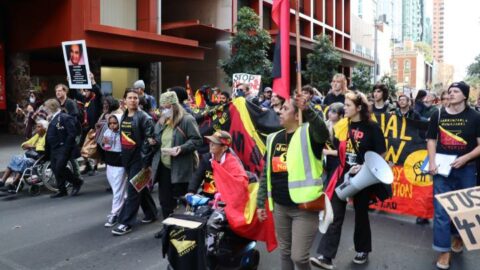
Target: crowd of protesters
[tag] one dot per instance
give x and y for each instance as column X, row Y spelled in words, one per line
column 135, row 133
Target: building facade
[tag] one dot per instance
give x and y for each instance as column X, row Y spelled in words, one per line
column 412, row 20
column 438, row 29
column 410, row 69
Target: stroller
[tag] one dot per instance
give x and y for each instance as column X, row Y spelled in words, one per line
column 201, row 239
column 38, row 175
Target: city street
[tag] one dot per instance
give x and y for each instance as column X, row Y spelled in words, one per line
column 68, row 233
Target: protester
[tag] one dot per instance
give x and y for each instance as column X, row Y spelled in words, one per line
column 339, row 88
column 224, row 97
column 267, row 92
column 295, row 227
column 139, row 87
column 19, row 163
column 380, row 96
column 112, row 146
column 430, row 107
column 136, row 128
column 183, row 97
column 444, row 98
column 453, row 130
column 219, row 144
column 92, row 106
column 176, row 138
column 309, row 94
column 354, row 136
column 276, row 103
column 61, row 147
column 31, row 113
column 335, row 113
column 404, row 110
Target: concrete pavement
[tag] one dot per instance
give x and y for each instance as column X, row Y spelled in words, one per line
column 9, row 146
column 67, row 233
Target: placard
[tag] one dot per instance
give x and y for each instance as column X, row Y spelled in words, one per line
column 253, row 81
column 76, row 63
column 463, row 207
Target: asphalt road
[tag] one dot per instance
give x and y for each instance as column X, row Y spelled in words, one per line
column 68, row 233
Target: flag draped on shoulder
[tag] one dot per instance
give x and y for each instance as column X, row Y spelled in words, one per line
column 240, row 197
column 281, row 58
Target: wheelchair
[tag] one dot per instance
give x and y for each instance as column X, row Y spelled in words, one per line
column 38, row 175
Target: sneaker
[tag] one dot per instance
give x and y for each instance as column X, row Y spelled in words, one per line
column 361, row 258
column 112, row 220
column 322, row 262
column 121, row 230
column 146, row 220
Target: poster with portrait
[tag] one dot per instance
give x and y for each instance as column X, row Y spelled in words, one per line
column 76, row 63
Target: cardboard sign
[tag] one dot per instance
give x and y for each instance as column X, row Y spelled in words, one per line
column 463, row 207
column 76, row 64
column 253, row 81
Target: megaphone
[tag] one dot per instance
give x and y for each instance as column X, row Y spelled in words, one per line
column 374, row 170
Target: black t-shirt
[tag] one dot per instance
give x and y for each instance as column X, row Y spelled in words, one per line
column 332, row 98
column 367, row 136
column 129, row 149
column 457, row 133
column 279, row 175
column 380, row 110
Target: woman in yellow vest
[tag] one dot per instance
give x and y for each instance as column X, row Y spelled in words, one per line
column 292, row 175
column 354, row 136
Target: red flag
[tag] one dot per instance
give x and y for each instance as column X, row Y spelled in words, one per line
column 281, row 58
column 240, row 197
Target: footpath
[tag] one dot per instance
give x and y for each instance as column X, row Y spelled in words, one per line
column 9, row 146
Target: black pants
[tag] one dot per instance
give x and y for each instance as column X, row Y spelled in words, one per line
column 168, row 192
column 362, row 237
column 58, row 163
column 135, row 199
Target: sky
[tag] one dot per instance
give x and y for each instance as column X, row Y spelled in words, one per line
column 462, row 34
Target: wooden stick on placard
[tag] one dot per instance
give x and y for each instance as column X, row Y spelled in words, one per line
column 299, row 60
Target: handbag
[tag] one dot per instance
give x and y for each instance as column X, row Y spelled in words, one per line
column 89, row 148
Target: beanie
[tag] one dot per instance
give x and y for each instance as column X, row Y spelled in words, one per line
column 139, row 84
column 168, row 98
column 465, row 88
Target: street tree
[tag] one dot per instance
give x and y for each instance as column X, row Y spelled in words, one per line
column 426, row 49
column 249, row 48
column 390, row 83
column 362, row 77
column 473, row 69
column 322, row 63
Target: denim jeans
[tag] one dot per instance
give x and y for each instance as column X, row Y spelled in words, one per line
column 443, row 229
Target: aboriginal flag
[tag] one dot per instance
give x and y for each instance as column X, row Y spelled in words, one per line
column 281, row 58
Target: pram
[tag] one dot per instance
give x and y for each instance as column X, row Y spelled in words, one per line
column 38, row 175
column 201, row 239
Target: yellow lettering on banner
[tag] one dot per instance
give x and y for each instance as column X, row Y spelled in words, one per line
column 403, row 130
column 393, row 155
column 402, row 190
column 391, row 126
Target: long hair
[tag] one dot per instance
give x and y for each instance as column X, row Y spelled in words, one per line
column 177, row 114
column 343, row 79
column 359, row 99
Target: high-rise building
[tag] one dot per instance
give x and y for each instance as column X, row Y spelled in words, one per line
column 413, row 15
column 427, row 31
column 438, row 30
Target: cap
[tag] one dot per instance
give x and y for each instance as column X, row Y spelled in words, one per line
column 168, row 98
column 220, row 137
column 139, row 84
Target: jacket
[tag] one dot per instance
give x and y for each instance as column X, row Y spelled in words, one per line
column 182, row 165
column 142, row 125
column 93, row 106
column 60, row 138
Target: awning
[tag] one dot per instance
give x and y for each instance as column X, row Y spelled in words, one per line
column 195, row 30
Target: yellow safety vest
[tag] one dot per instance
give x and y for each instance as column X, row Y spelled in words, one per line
column 304, row 169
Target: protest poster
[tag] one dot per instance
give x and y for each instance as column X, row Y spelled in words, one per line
column 254, row 81
column 76, row 63
column 463, row 207
column 141, row 180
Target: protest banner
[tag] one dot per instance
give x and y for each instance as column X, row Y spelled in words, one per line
column 253, row 81
column 76, row 63
column 463, row 207
column 412, row 190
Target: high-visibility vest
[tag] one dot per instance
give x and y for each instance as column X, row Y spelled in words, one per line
column 304, row 168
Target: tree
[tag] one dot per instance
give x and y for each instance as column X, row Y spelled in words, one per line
column 362, row 78
column 426, row 49
column 390, row 83
column 473, row 69
column 249, row 48
column 322, row 63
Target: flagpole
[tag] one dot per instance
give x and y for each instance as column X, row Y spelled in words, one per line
column 299, row 61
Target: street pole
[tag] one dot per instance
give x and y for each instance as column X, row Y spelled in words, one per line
column 375, row 50
column 299, row 60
